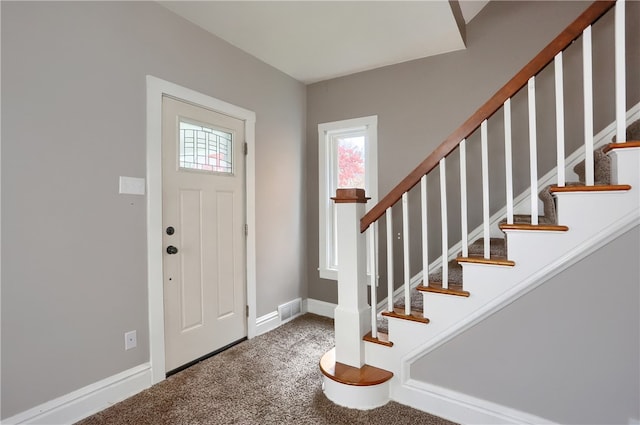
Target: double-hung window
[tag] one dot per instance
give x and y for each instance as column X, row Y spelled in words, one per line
column 347, row 158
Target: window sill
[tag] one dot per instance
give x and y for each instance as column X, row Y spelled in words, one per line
column 330, row 274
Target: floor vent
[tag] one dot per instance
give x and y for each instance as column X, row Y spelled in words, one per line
column 290, row 310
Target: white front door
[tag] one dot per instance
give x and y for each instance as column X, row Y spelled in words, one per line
column 203, row 216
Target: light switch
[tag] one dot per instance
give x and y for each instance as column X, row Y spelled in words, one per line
column 131, row 185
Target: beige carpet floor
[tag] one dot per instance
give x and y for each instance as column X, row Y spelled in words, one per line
column 271, row 379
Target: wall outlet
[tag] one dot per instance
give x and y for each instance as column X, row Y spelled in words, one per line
column 130, row 340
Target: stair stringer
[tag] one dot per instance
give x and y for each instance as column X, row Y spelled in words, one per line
column 463, row 408
column 494, row 287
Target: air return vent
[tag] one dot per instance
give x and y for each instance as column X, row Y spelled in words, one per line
column 290, row 310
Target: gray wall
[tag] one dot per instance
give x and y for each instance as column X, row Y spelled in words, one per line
column 419, row 103
column 568, row 351
column 74, row 119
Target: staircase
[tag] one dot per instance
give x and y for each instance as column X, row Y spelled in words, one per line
column 508, row 255
column 498, row 252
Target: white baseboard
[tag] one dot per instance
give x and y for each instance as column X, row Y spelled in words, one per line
column 86, row 401
column 459, row 407
column 321, row 308
column 267, row 323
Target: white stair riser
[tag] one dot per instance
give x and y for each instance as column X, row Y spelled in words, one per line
column 410, row 334
column 528, row 249
column 481, row 278
column 584, row 213
column 383, row 357
column 624, row 165
column 486, row 283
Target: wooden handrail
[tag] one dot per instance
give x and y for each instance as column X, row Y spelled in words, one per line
column 537, row 64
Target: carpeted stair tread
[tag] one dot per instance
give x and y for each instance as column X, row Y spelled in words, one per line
column 417, row 300
column 497, row 248
column 455, row 274
column 601, row 170
column 526, row 219
column 383, row 325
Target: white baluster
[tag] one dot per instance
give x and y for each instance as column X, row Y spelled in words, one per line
column 443, row 212
column 463, row 198
column 559, row 119
column 405, row 244
column 588, row 105
column 377, row 250
column 508, row 160
column 533, row 151
column 621, row 104
column 425, row 240
column 373, row 280
column 389, row 259
column 485, row 188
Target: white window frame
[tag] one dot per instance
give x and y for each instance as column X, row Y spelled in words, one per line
column 326, row 158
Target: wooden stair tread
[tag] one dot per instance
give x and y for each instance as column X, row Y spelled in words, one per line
column 622, row 145
column 349, row 375
column 436, row 287
column 595, row 188
column 382, row 339
column 498, row 261
column 529, row 226
column 398, row 313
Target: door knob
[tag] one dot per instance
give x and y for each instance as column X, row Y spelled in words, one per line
column 172, row 250
column 170, row 230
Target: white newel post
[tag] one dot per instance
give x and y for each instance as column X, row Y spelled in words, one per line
column 352, row 314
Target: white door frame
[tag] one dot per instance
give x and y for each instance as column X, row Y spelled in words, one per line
column 155, row 89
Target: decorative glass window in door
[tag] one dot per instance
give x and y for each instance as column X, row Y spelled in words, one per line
column 204, row 148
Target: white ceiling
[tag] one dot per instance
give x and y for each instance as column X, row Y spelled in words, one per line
column 318, row 40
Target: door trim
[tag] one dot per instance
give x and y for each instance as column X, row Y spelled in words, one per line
column 156, row 88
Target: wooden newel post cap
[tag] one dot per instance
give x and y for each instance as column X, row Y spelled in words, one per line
column 350, row 196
